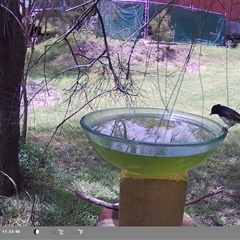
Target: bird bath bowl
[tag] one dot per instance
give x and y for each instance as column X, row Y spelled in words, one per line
column 151, row 141
column 154, row 148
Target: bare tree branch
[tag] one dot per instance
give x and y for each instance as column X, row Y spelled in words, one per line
column 12, row 13
column 196, row 200
column 116, row 205
column 94, row 200
column 78, row 6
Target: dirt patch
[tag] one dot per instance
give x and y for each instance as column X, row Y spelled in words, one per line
column 41, row 96
column 171, row 56
column 144, row 53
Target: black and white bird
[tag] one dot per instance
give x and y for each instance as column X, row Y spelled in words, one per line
column 228, row 115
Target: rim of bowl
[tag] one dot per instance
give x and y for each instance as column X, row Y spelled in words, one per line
column 212, row 140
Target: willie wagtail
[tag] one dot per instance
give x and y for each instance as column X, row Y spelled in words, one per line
column 228, row 115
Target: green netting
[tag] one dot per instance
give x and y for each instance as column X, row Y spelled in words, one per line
column 123, row 20
column 198, row 26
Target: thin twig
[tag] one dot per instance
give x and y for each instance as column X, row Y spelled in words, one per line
column 94, row 200
column 13, row 14
column 78, row 6
column 196, row 200
column 116, row 205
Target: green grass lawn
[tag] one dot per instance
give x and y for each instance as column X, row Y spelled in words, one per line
column 159, row 78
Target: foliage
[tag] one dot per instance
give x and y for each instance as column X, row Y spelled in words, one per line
column 162, row 30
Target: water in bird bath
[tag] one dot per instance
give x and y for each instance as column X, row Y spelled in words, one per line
column 152, row 145
column 154, row 130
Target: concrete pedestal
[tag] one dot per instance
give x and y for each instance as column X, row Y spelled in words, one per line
column 152, row 201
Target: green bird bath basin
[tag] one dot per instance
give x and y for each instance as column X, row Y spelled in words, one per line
column 152, row 142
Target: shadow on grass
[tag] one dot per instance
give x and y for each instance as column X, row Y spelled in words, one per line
column 59, row 207
column 44, row 201
column 221, row 169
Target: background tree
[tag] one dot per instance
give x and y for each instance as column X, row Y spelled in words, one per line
column 12, row 52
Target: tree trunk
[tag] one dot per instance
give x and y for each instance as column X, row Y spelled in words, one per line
column 12, row 56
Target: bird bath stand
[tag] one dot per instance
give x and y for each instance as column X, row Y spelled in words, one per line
column 154, row 148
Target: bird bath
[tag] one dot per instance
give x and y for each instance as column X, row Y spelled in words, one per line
column 154, row 148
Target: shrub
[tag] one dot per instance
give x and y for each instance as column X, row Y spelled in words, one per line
column 162, row 30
